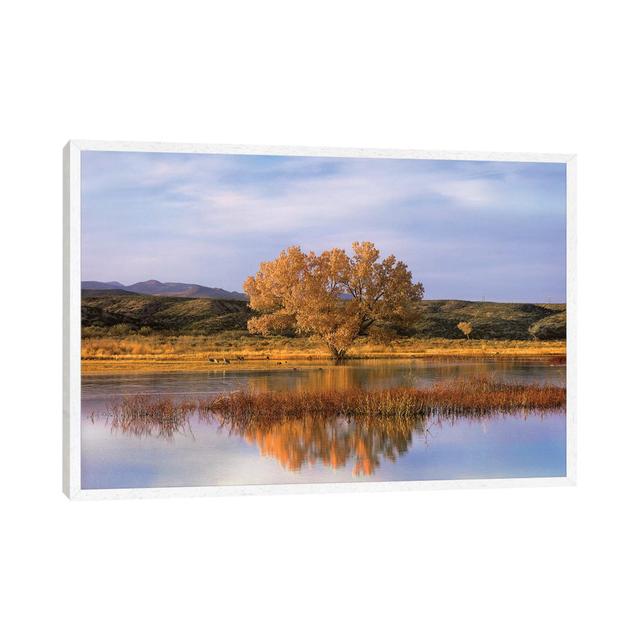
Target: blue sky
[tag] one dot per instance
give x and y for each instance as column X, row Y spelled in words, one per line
column 467, row 229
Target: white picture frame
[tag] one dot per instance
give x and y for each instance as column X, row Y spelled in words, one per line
column 72, row 321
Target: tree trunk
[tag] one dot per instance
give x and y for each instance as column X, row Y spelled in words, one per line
column 337, row 354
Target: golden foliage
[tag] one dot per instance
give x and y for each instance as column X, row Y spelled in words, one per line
column 465, row 327
column 331, row 295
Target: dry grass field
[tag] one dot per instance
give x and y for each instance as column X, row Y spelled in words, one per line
column 131, row 333
column 237, row 349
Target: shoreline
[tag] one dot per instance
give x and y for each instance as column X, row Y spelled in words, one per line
column 198, row 362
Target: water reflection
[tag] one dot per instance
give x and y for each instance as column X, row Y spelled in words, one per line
column 361, row 444
column 409, row 373
column 208, row 452
column 369, row 374
column 295, row 443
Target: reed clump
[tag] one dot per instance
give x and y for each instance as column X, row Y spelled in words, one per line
column 141, row 415
column 460, row 398
column 476, row 397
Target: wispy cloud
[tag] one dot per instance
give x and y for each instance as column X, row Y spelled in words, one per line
column 496, row 229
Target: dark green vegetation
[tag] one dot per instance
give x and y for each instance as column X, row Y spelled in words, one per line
column 121, row 313
column 490, row 320
column 109, row 312
column 553, row 327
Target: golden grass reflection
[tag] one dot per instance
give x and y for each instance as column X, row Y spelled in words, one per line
column 352, row 375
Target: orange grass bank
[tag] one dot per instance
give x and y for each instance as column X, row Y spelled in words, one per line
column 201, row 353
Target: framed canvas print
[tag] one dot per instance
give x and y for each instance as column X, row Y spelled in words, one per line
column 246, row 320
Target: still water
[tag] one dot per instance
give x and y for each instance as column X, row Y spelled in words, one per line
column 208, row 453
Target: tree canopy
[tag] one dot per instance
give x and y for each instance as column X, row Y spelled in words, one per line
column 465, row 327
column 332, row 295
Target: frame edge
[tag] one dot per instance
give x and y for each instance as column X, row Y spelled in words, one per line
column 572, row 317
column 66, row 426
column 70, row 321
column 338, row 152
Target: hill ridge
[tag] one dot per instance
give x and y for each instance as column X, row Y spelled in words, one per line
column 157, row 288
column 104, row 310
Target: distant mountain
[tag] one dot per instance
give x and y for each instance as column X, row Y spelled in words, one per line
column 94, row 284
column 174, row 289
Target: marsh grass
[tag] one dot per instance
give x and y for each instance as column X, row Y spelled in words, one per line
column 338, row 427
column 476, row 397
column 141, row 415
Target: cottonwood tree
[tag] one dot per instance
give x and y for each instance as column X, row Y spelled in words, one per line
column 332, row 295
column 465, row 327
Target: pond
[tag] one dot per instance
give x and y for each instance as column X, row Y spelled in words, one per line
column 207, row 452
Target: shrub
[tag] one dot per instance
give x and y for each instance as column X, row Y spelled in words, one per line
column 466, row 328
column 120, row 329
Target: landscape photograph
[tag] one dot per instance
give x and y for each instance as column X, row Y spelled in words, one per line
column 266, row 319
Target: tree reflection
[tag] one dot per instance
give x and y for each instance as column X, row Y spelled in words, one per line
column 335, row 443
column 363, row 442
column 345, row 425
